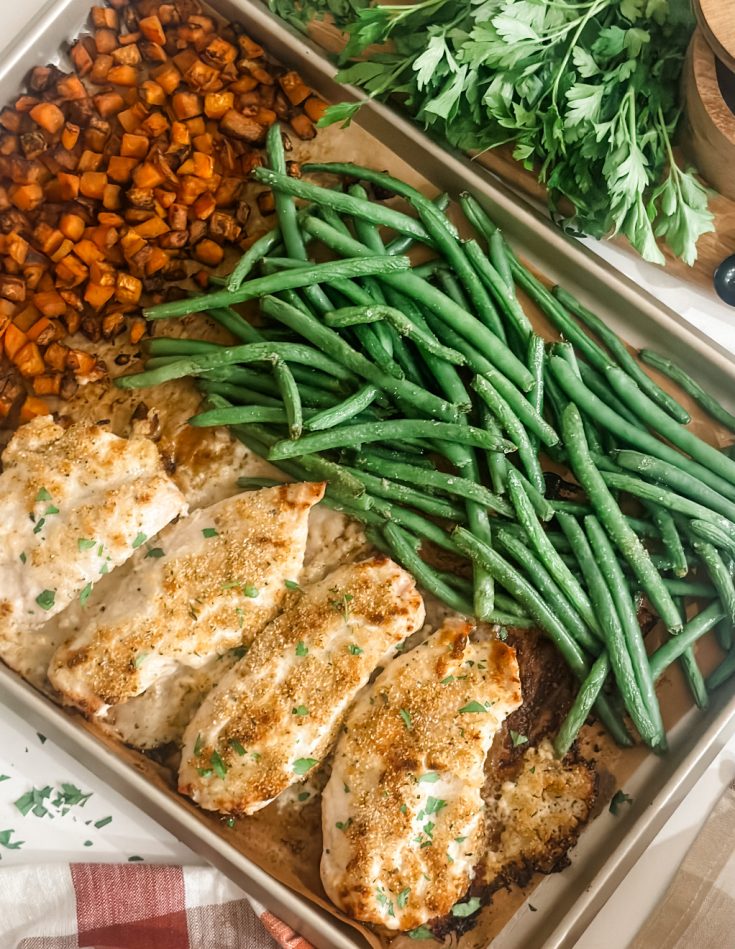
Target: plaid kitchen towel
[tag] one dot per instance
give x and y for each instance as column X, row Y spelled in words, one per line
column 132, row 906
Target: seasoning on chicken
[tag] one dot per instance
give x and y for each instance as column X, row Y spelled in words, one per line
column 402, row 813
column 274, row 716
column 74, row 504
column 206, row 585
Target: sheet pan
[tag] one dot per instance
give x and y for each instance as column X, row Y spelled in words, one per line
column 565, row 903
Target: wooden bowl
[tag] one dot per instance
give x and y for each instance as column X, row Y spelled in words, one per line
column 708, row 134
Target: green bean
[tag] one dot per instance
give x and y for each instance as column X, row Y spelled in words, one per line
column 402, row 244
column 719, row 574
column 400, row 543
column 622, row 356
column 544, row 548
column 255, row 484
column 404, row 494
column 667, row 499
column 379, row 431
column 344, row 203
column 348, row 316
column 694, row 678
column 391, row 454
column 675, row 647
column 315, row 386
column 611, row 516
column 535, row 358
column 330, row 342
column 175, row 346
column 415, row 523
column 663, row 424
column 257, row 251
column 597, row 385
column 503, row 294
column 332, row 218
column 448, row 483
column 499, row 259
column 285, row 207
column 582, row 705
column 704, row 530
column 723, row 672
column 291, row 398
column 451, row 287
column 439, row 303
column 240, row 394
column 643, row 440
column 633, row 659
column 227, row 355
column 341, row 413
column 690, row 588
column 534, row 604
column 537, row 574
column 657, row 470
column 239, row 415
column 670, row 538
column 669, row 368
column 510, row 423
column 288, row 280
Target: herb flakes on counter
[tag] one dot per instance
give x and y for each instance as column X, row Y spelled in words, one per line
column 586, row 93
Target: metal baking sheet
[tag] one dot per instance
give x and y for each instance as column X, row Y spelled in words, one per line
column 566, row 902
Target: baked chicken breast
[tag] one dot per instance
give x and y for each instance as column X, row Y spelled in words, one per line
column 402, row 812
column 74, row 504
column 207, row 584
column 275, row 714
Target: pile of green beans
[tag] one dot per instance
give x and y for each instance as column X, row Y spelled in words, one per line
column 425, row 399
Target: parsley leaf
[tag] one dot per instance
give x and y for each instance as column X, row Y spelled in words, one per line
column 154, row 553
column 402, row 898
column 210, row 532
column 618, row 799
column 291, row 585
column 139, row 540
column 406, row 716
column 431, row 777
column 83, row 543
column 472, row 708
column 517, row 739
column 467, row 908
column 46, row 599
column 218, row 765
column 301, row 648
column 302, row 765
column 85, row 594
column 300, row 710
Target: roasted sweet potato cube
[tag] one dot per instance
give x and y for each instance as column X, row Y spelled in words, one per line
column 265, row 117
column 81, row 58
column 228, row 192
column 29, row 361
column 209, row 253
column 152, row 28
column 48, row 116
column 70, row 136
column 120, row 169
column 16, row 247
column 128, row 39
column 315, row 108
column 64, row 248
column 186, row 105
column 152, row 228
column 266, row 202
column 105, row 41
column 137, row 328
column 295, row 88
column 204, row 206
column 204, row 143
column 12, row 288
column 127, row 55
column 49, row 303
column 103, row 273
column 134, row 146
column 47, row 384
column 241, row 127
column 156, row 124
column 216, row 104
column 112, row 197
column 157, row 261
column 123, row 76
column 148, row 175
column 32, row 408
column 219, row 53
column 88, row 251
column 108, row 104
column 151, row 93
column 164, row 199
column 10, row 120
column 128, row 289
column 168, row 77
column 90, row 161
column 250, row 49
column 104, row 18
column 26, row 317
column 303, row 126
column 131, row 119
column 196, row 125
column 244, row 85
column 201, row 75
column 42, row 331
column 152, row 52
column 70, row 88
column 55, row 356
column 180, row 136
column 97, row 296
column 102, row 65
column 92, row 184
column 13, row 340
column 26, row 197
column 72, row 226
column 70, row 271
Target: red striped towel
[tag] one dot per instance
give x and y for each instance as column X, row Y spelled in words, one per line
column 132, row 906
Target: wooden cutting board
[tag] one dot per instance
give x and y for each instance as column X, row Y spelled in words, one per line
column 712, row 248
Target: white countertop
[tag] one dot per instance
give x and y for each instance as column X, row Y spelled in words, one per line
column 27, row 761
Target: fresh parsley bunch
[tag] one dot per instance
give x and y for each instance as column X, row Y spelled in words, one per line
column 586, row 91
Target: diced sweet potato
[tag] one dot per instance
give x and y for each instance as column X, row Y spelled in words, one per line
column 303, row 126
column 151, row 93
column 186, row 105
column 70, row 88
column 123, row 76
column 49, row 383
column 48, row 116
column 50, row 303
column 241, row 127
column 81, row 58
column 128, row 289
column 108, row 103
column 134, row 146
column 209, row 253
column 26, row 197
column 120, row 169
column 92, row 184
column 315, row 108
column 152, row 28
column 216, row 104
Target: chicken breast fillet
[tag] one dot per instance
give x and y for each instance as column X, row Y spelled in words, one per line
column 210, row 584
column 74, row 503
column 274, row 716
column 402, row 812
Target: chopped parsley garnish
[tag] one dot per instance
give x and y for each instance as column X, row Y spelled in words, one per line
column 23, row 557
column 502, row 635
column 343, row 824
column 220, row 768
column 250, row 590
column 255, row 755
column 421, row 932
column 87, row 843
column 42, row 738
column 403, row 809
column 205, row 772
column 85, row 594
column 406, row 716
column 193, row 613
column 104, row 569
column 230, row 822
column 4, row 777
column 517, row 738
column 342, row 604
column 239, row 651
column 620, row 797
column 475, row 707
column 467, row 908
column 236, row 746
column 402, row 897
column 300, row 710
column 431, row 777
column 434, row 805
column 291, row 585
column 51, row 509
column 355, row 650
column 346, row 789
column 302, row 765
column 459, row 840
column 46, row 599
column 140, row 539
column 301, row 648
column 304, row 796
column 43, row 495
column 240, row 613
column 85, row 544
column 198, row 746
column 210, row 532
column 102, row 822
column 140, row 659
column 134, row 859
column 9, row 844
column 446, row 680
column 382, row 897
column 38, row 800
column 155, row 553
column 532, row 908
column 39, row 527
